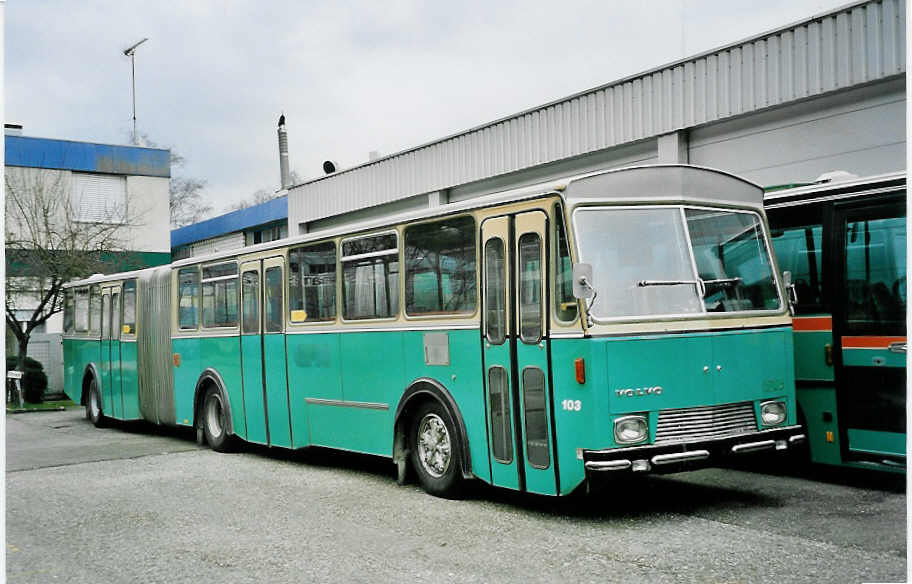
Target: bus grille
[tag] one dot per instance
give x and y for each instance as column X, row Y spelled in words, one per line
column 705, row 422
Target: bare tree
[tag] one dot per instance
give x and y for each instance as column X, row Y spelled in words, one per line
column 50, row 240
column 185, row 194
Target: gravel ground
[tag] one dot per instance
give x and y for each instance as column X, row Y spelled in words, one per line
column 135, row 503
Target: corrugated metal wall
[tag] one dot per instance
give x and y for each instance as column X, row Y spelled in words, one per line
column 853, row 46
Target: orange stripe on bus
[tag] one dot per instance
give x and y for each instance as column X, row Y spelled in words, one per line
column 870, row 342
column 812, row 323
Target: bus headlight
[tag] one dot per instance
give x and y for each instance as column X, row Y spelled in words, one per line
column 772, row 413
column 631, row 429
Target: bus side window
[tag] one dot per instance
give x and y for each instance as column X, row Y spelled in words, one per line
column 220, row 295
column 440, row 267
column 188, row 298
column 68, row 301
column 94, row 310
column 82, row 310
column 312, row 283
column 129, row 307
column 565, row 303
column 370, row 277
column 798, row 250
column 876, row 272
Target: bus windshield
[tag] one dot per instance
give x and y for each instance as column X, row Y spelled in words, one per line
column 674, row 261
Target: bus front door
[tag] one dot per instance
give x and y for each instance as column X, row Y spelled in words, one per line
column 516, row 351
column 870, row 327
column 263, row 352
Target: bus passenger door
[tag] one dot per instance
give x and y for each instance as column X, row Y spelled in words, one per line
column 515, row 341
column 870, row 328
column 252, row 354
column 263, row 352
column 274, row 371
column 114, row 358
column 107, row 393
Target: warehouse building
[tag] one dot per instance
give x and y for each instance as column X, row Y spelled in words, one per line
column 96, row 184
column 785, row 106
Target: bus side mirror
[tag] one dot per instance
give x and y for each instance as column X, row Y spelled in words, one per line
column 790, row 290
column 582, row 281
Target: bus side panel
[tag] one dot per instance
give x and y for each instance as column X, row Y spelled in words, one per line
column 72, row 370
column 313, row 372
column 810, row 355
column 373, row 374
column 221, row 354
column 129, row 381
column 819, row 407
column 185, row 377
column 462, row 377
column 576, row 405
column 89, row 351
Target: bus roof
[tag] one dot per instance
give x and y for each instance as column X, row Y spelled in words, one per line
column 825, row 191
column 628, row 183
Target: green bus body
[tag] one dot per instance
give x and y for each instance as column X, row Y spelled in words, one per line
column 698, row 380
column 845, row 246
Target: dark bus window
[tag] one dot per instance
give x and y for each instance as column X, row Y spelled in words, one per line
column 312, row 285
column 499, row 403
column 370, row 277
column 799, row 251
column 69, row 324
column 272, row 309
column 220, row 295
column 188, row 298
column 129, row 307
column 81, row 317
column 94, row 310
column 440, row 267
column 536, row 418
column 564, row 301
column 875, row 264
column 250, row 307
column 495, row 292
column 106, row 316
column 529, row 288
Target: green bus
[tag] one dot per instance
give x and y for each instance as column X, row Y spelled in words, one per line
column 845, row 246
column 625, row 322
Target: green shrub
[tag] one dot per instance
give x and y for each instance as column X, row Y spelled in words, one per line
column 34, row 381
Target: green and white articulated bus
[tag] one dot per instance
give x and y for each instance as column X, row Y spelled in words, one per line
column 845, row 245
column 450, row 340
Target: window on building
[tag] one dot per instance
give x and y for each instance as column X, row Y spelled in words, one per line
column 98, row 198
column 129, row 307
column 220, row 295
column 312, row 283
column 370, row 277
column 188, row 298
column 440, row 267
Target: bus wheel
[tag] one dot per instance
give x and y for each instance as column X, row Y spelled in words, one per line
column 435, row 452
column 215, row 421
column 93, row 411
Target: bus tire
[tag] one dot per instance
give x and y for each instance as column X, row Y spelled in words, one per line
column 435, row 452
column 93, row 411
column 215, row 421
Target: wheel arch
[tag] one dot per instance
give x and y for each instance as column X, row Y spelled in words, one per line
column 91, row 372
column 211, row 378
column 419, row 391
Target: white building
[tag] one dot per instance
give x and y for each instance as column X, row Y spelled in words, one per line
column 784, row 106
column 97, row 183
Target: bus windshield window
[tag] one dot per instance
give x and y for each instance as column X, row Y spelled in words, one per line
column 732, row 261
column 627, row 247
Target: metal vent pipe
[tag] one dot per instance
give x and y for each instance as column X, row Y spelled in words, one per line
column 283, row 154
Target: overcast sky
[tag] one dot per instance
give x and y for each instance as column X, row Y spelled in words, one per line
column 351, row 77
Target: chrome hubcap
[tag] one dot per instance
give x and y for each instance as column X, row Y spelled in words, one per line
column 433, row 445
column 214, row 416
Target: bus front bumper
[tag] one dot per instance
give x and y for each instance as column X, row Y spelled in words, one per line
column 684, row 455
